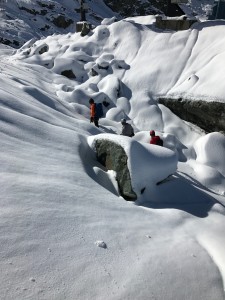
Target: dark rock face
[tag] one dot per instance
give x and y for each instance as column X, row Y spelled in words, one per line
column 43, row 49
column 113, row 157
column 11, row 43
column 210, row 116
column 174, row 24
column 49, row 6
column 86, row 27
column 129, row 8
column 93, row 72
column 69, row 74
column 30, row 11
column 62, row 22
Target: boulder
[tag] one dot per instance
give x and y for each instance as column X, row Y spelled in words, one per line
column 86, row 28
column 43, row 49
column 210, row 116
column 113, row 157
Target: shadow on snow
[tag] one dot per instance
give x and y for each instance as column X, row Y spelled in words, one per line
column 182, row 193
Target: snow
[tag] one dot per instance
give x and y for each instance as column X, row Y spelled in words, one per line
column 66, row 233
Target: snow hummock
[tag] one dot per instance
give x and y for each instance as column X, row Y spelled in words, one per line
column 58, row 204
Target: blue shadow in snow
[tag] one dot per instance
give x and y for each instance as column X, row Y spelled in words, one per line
column 184, row 194
column 93, row 168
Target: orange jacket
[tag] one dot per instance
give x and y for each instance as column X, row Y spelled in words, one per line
column 92, row 110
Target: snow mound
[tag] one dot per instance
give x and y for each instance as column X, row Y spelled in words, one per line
column 210, row 151
column 209, row 161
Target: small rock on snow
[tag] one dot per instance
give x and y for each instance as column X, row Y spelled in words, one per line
column 101, row 244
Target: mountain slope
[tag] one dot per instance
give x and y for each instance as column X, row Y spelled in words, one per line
column 22, row 20
column 58, row 204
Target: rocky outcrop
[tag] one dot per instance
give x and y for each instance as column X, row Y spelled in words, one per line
column 210, row 116
column 69, row 74
column 49, row 6
column 43, row 14
column 86, row 27
column 113, row 157
column 174, row 23
column 128, row 8
column 62, row 22
column 47, row 17
column 12, row 43
column 43, row 49
column 30, row 11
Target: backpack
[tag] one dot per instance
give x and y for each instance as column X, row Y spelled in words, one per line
column 98, row 110
column 159, row 142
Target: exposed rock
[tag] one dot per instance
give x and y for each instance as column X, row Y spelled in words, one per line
column 113, row 157
column 210, row 116
column 16, row 43
column 103, row 67
column 45, row 28
column 174, row 23
column 30, row 11
column 86, row 28
column 129, row 8
column 69, row 74
column 79, row 26
column 44, row 12
column 43, row 49
column 105, row 103
column 62, row 22
column 34, row 12
column 7, row 42
column 50, row 6
column 101, row 244
column 93, row 72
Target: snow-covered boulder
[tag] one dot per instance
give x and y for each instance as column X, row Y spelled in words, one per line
column 209, row 161
column 112, row 156
column 146, row 164
column 207, row 149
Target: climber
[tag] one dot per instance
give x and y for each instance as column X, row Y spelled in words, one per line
column 93, row 116
column 155, row 139
column 127, row 129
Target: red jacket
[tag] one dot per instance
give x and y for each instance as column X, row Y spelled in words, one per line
column 154, row 140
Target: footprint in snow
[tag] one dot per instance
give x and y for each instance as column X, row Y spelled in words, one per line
column 101, row 244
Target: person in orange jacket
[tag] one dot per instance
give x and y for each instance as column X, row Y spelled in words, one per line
column 93, row 117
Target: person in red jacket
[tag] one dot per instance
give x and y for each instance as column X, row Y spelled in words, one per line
column 93, row 117
column 155, row 139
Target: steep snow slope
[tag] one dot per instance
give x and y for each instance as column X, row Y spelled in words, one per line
column 58, row 205
column 134, row 60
